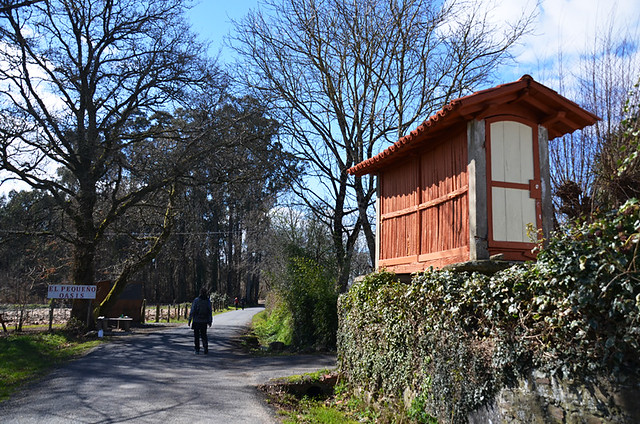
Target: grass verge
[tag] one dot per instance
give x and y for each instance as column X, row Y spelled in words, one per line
column 27, row 356
column 317, row 398
column 263, row 332
column 273, row 326
column 308, row 398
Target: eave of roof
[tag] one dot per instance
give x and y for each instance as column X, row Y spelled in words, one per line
column 559, row 115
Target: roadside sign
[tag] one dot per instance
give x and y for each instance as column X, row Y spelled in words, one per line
column 58, row 291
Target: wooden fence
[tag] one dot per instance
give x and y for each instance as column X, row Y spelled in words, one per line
column 15, row 317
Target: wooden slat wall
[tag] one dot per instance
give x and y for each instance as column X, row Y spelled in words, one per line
column 424, row 204
column 400, row 237
column 399, row 192
column 445, row 182
column 400, row 187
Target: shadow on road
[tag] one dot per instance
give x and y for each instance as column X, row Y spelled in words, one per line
column 156, row 377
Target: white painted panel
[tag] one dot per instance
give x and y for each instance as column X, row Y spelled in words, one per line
column 512, row 211
column 528, row 216
column 511, row 152
column 497, row 151
column 514, row 214
column 526, row 147
column 512, row 161
column 499, row 211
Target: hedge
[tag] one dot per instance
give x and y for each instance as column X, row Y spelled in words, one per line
column 448, row 341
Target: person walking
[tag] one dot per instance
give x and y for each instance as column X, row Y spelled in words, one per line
column 201, row 315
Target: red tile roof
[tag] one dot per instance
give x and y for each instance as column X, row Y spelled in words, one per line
column 556, row 113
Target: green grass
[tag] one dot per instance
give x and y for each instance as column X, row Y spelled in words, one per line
column 341, row 407
column 228, row 309
column 273, row 327
column 43, row 327
column 324, row 414
column 316, row 412
column 309, row 376
column 25, row 357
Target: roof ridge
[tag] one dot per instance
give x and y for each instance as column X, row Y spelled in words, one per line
column 473, row 105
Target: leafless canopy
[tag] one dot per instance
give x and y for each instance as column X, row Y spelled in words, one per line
column 347, row 77
column 584, row 165
column 84, row 90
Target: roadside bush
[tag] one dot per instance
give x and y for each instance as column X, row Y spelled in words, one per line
column 446, row 343
column 276, row 325
column 302, row 273
column 586, row 296
column 75, row 327
column 301, row 308
column 312, row 301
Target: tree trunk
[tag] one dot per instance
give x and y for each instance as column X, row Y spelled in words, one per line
column 84, row 248
column 215, row 256
column 363, row 205
column 342, row 255
column 134, row 265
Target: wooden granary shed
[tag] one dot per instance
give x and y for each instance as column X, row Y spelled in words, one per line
column 472, row 181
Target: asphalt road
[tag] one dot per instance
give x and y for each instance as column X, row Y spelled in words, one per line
column 155, row 377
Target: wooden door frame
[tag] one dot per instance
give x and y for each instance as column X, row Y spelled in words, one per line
column 510, row 245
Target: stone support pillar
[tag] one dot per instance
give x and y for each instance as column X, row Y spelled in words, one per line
column 478, row 212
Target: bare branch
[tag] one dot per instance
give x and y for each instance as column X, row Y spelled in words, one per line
column 346, row 78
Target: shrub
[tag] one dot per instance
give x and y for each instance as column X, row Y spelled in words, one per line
column 312, row 300
column 275, row 325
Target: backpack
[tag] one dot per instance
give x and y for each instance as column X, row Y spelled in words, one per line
column 200, row 310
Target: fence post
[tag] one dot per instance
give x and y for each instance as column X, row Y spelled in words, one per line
column 20, row 319
column 51, row 306
column 89, row 313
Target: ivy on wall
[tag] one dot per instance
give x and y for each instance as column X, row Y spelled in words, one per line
column 448, row 341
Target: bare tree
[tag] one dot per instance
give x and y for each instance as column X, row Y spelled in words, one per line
column 617, row 168
column 83, row 84
column 583, row 164
column 8, row 5
column 347, row 77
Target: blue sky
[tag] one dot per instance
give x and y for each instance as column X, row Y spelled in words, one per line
column 211, row 19
column 563, row 27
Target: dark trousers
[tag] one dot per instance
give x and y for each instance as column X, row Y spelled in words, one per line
column 200, row 332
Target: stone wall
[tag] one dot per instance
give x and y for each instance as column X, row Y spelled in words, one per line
column 544, row 399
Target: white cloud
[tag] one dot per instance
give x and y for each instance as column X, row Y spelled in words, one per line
column 568, row 29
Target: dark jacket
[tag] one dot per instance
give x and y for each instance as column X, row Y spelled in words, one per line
column 201, row 303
